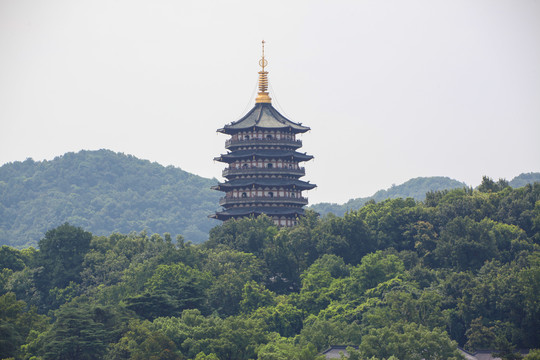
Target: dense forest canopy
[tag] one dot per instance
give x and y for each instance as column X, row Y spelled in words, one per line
column 104, row 192
column 398, row 279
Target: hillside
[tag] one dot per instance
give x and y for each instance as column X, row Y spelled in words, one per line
column 524, row 179
column 103, row 192
column 397, row 279
column 415, row 188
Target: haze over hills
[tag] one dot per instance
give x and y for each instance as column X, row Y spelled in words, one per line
column 105, row 192
column 415, row 188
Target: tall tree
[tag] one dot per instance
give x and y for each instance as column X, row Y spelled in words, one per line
column 61, row 256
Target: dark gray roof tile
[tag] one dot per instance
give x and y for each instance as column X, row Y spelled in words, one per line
column 263, row 116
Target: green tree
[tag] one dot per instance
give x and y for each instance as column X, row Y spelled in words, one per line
column 528, row 286
column 81, row 332
column 348, row 237
column 247, row 235
column 488, row 185
column 11, row 258
column 17, row 321
column 325, row 332
column 408, row 304
column 231, row 271
column 409, row 341
column 231, row 338
column 480, row 336
column 171, row 289
column 61, row 255
column 285, row 349
column 283, row 318
column 203, row 356
column 466, row 244
column 317, row 291
column 140, row 342
column 255, row 296
column 374, row 269
column 534, row 354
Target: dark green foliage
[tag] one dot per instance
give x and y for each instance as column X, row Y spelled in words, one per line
column 244, row 234
column 401, row 340
column 16, row 323
column 322, row 332
column 15, row 260
column 352, row 238
column 171, row 289
column 283, row 318
column 255, row 296
column 59, row 262
column 534, row 354
column 231, row 271
column 422, row 189
column 488, row 185
column 61, row 255
column 81, row 331
column 231, row 338
column 285, row 349
column 151, row 305
column 398, row 279
column 103, row 192
column 142, row 341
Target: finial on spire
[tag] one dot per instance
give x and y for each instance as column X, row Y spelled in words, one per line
column 263, row 61
column 263, row 97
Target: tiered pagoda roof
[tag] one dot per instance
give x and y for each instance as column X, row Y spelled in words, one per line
column 262, row 154
column 259, row 210
column 264, row 182
column 263, row 116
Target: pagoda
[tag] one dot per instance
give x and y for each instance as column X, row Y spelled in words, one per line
column 263, row 163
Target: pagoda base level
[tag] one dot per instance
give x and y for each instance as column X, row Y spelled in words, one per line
column 280, row 215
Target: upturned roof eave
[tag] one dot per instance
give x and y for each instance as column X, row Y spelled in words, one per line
column 231, row 131
column 237, row 126
column 248, row 210
column 286, row 183
column 265, row 154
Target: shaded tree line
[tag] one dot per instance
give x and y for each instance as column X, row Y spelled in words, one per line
column 103, row 192
column 397, row 279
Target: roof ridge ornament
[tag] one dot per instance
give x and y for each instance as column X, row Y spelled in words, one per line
column 263, row 97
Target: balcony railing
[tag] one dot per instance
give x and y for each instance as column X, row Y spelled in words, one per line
column 263, row 142
column 300, row 171
column 263, row 199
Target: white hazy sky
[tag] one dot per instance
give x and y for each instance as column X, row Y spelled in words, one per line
column 391, row 89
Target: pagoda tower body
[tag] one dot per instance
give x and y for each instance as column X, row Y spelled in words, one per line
column 263, row 164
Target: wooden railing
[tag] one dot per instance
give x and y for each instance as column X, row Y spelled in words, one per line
column 263, row 199
column 260, row 170
column 263, row 142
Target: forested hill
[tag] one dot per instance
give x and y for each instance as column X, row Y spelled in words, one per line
column 397, row 279
column 103, row 192
column 416, row 188
column 524, row 179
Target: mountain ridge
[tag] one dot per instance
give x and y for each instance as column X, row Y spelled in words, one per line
column 105, row 192
column 415, row 188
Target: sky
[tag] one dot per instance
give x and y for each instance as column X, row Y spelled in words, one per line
column 391, row 89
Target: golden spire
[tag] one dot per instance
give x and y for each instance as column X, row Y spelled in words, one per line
column 263, row 97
